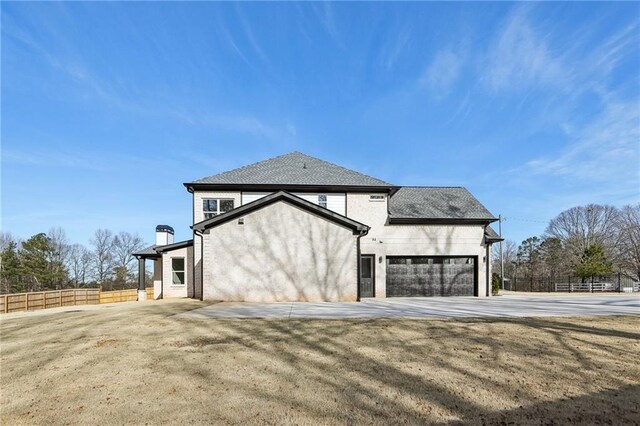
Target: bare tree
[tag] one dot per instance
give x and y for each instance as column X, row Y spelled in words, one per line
column 628, row 232
column 5, row 239
column 581, row 227
column 102, row 243
column 124, row 244
column 79, row 264
column 510, row 251
column 60, row 252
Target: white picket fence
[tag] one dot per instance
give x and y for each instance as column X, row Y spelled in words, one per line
column 590, row 287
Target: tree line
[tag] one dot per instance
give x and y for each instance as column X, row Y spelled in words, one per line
column 584, row 242
column 49, row 261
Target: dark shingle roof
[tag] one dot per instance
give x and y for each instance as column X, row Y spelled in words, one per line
column 294, row 168
column 147, row 252
column 491, row 233
column 154, row 251
column 419, row 202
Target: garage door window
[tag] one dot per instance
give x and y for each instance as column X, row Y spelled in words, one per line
column 426, row 276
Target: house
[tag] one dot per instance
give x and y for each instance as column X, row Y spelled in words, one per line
column 297, row 228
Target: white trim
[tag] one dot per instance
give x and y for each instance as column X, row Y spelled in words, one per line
column 218, row 204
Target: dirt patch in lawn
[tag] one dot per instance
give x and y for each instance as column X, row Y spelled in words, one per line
column 138, row 363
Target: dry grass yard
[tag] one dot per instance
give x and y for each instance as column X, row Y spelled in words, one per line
column 136, row 363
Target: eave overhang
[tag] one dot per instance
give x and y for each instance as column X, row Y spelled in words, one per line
column 174, row 246
column 193, row 186
column 155, row 252
column 438, row 221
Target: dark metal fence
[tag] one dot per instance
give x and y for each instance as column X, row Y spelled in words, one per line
column 568, row 283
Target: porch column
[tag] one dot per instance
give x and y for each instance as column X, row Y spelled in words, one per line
column 142, row 291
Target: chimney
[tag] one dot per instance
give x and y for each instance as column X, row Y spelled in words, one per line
column 164, row 235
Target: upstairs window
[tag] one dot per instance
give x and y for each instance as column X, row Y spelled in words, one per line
column 177, row 271
column 322, row 200
column 214, row 206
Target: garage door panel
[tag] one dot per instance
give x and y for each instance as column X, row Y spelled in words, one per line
column 430, row 276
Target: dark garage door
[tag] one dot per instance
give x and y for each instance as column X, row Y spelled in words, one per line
column 430, row 276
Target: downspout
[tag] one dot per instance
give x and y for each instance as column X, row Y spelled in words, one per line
column 200, row 234
column 486, row 267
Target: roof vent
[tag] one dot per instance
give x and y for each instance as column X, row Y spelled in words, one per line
column 304, row 165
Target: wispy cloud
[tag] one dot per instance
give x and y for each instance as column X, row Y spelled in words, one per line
column 606, row 150
column 603, row 145
column 325, row 15
column 443, row 72
column 93, row 87
column 520, row 57
column 391, row 52
column 246, row 26
column 57, row 159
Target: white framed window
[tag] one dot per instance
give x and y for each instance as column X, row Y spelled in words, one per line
column 178, row 276
column 214, row 206
column 376, row 197
column 322, row 200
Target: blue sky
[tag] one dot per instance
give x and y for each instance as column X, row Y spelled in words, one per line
column 107, row 108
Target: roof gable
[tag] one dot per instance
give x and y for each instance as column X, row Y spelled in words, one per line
column 282, row 196
column 436, row 203
column 293, row 169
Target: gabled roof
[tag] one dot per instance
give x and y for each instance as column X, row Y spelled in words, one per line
column 155, row 251
column 426, row 203
column 293, row 169
column 355, row 226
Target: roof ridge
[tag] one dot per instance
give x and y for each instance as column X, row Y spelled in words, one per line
column 431, row 186
column 344, row 168
column 289, row 160
column 250, row 165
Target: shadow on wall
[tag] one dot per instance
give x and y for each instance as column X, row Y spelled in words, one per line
column 281, row 254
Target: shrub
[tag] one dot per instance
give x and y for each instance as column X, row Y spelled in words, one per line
column 495, row 283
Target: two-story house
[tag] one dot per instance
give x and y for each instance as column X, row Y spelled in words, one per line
column 297, row 228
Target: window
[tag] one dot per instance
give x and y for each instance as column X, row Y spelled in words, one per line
column 177, row 271
column 214, row 206
column 322, row 200
column 376, row 197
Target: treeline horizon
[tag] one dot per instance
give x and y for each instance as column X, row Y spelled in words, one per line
column 584, row 242
column 49, row 261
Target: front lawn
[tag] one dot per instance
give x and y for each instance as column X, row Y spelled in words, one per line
column 138, row 363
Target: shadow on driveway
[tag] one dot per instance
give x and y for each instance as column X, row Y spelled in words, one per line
column 418, row 307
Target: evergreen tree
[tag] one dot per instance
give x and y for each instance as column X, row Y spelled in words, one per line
column 10, row 270
column 594, row 263
column 40, row 269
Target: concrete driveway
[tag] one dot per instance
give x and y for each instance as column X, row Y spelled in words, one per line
column 433, row 307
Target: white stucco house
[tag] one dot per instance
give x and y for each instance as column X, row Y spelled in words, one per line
column 297, row 228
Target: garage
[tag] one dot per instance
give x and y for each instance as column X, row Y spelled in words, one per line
column 427, row 276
